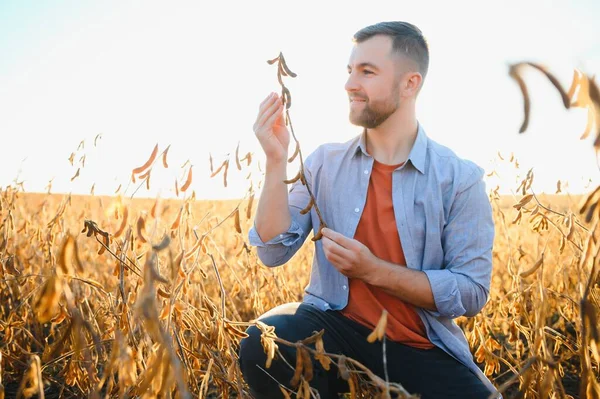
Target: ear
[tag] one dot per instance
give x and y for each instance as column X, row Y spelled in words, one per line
column 411, row 84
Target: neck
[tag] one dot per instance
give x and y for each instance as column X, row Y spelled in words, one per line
column 391, row 142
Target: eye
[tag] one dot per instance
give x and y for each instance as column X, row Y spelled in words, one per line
column 367, row 72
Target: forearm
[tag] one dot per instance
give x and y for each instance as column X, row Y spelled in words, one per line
column 272, row 213
column 411, row 286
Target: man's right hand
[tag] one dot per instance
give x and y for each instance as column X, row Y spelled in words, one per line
column 270, row 129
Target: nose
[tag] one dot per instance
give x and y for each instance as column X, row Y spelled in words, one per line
column 351, row 84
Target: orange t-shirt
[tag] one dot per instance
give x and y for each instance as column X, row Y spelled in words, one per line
column 377, row 230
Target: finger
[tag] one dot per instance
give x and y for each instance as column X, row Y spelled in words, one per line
column 273, row 97
column 336, row 261
column 263, row 116
column 271, row 120
column 337, row 237
column 268, row 113
column 263, row 110
column 336, row 249
column 267, row 99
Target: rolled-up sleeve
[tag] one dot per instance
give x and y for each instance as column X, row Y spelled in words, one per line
column 279, row 249
column 283, row 247
column 461, row 287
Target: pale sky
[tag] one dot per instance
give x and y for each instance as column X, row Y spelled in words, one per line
column 179, row 73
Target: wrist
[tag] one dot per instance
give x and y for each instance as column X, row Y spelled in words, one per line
column 375, row 268
column 276, row 164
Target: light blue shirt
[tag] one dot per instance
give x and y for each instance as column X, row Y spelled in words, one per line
column 444, row 220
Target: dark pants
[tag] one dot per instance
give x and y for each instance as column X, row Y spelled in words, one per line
column 431, row 373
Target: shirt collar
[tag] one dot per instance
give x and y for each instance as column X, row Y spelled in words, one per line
column 361, row 143
column 417, row 153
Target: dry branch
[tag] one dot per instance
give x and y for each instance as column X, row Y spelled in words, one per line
column 286, row 97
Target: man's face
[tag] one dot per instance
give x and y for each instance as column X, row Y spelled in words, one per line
column 373, row 82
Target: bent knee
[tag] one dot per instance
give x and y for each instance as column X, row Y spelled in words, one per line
column 252, row 360
column 252, row 355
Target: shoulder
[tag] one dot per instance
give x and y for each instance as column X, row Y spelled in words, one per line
column 462, row 173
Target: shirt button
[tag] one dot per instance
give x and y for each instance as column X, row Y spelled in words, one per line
column 366, row 171
column 280, row 235
column 356, row 210
column 344, row 287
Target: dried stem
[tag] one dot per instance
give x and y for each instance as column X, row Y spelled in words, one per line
column 385, row 368
column 220, row 286
column 555, row 212
column 283, row 70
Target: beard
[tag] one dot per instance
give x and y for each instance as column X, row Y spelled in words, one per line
column 374, row 113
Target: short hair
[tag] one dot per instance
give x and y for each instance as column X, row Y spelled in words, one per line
column 407, row 40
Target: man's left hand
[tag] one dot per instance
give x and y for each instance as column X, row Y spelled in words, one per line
column 350, row 257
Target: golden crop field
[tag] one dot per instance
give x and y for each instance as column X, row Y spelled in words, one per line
column 160, row 310
column 121, row 297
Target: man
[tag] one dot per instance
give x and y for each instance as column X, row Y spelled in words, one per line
column 410, row 230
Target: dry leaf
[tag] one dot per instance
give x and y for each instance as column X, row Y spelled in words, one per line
column 46, row 305
column 237, row 159
column 533, row 269
column 141, row 225
column 123, row 221
column 69, row 255
column 177, row 220
column 249, row 206
column 514, row 72
column 319, row 234
column 308, row 207
column 148, row 162
column 238, row 227
column 219, row 168
column 225, row 173
column 164, row 157
column 299, row 367
column 294, row 179
column 76, row 174
column 379, row 332
column 188, row 181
